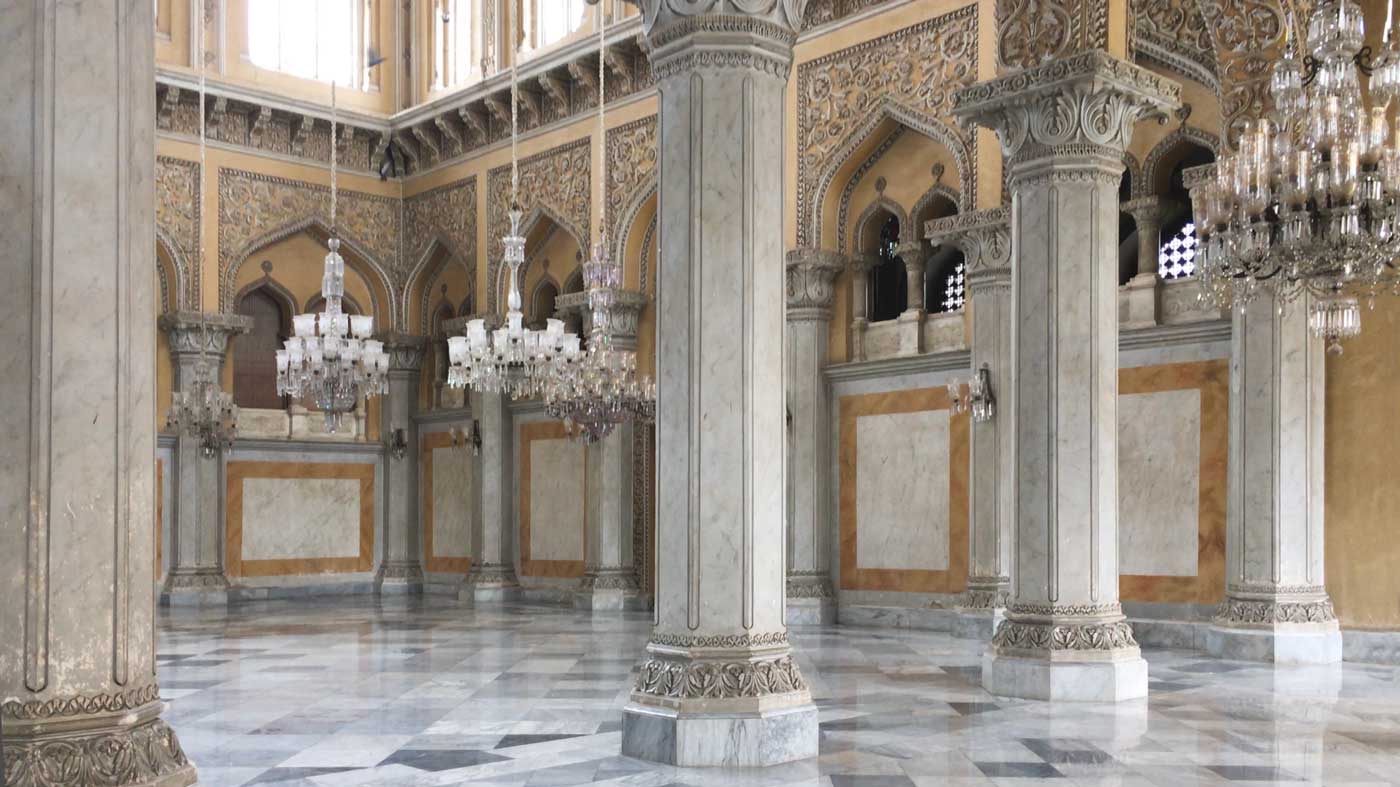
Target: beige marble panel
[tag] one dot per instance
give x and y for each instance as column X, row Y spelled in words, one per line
column 556, row 500
column 1159, row 461
column 300, row 518
column 902, row 490
column 452, row 495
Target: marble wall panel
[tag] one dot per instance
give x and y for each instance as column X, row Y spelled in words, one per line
column 552, row 512
column 287, row 518
column 911, row 444
column 448, row 483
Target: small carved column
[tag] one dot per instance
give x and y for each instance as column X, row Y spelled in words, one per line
column 1276, row 606
column 401, row 565
column 911, row 321
column 610, row 576
column 79, row 703
column 492, row 575
column 196, row 574
column 719, row 685
column 860, row 266
column 810, row 273
column 984, row 237
column 1063, row 126
column 1143, row 290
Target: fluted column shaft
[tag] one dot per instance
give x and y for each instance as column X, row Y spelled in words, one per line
column 79, row 702
column 401, row 565
column 1064, row 126
column 810, row 274
column 719, row 684
column 984, row 237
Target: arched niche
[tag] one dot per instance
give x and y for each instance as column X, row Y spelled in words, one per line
column 440, row 266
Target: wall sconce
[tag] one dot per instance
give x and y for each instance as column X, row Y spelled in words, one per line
column 978, row 397
column 397, row 443
column 462, row 438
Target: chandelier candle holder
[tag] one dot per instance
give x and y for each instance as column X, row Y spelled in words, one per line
column 1306, row 208
column 330, row 360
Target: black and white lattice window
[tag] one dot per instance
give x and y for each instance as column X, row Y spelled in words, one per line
column 955, row 295
column 1177, row 257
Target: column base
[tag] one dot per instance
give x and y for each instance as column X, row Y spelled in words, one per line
column 1284, row 643
column 489, row 583
column 399, row 577
column 811, row 601
column 1065, row 681
column 698, row 740
column 195, row 588
column 116, row 750
column 978, row 622
column 1138, row 302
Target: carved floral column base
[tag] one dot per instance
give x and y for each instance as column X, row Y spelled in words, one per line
column 399, row 576
column 982, row 608
column 609, row 589
column 490, row 582
column 735, row 700
column 811, row 601
column 1082, row 653
column 94, row 741
column 1295, row 626
column 195, row 587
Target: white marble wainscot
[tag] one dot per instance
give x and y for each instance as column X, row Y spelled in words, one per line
column 1159, row 459
column 302, row 452
column 902, row 490
column 452, row 496
column 451, row 499
column 291, row 518
column 550, row 534
column 946, row 331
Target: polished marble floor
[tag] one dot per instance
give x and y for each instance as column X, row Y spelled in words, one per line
column 357, row 692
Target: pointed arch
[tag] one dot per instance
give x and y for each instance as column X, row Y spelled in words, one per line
column 882, row 204
column 627, row 220
column 935, row 192
column 315, row 303
column 1152, row 169
column 360, row 259
column 273, row 288
column 180, row 297
column 527, row 226
column 436, row 254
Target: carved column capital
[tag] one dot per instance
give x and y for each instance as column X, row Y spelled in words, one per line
column 685, row 35
column 984, row 238
column 405, row 351
column 190, row 332
column 914, row 254
column 810, row 274
column 1068, row 119
column 620, row 321
column 1149, row 211
column 862, row 263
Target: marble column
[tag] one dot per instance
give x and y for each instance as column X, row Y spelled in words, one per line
column 1276, row 607
column 401, row 564
column 610, row 576
column 492, row 575
column 1143, row 291
column 911, row 320
column 719, row 685
column 810, row 597
column 196, row 520
column 1063, row 126
column 984, row 237
column 79, row 703
column 860, row 266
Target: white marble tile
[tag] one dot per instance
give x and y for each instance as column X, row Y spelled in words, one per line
column 452, row 496
column 556, row 500
column 902, row 490
column 300, row 518
column 1159, row 460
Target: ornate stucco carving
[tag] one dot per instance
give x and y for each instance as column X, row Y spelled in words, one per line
column 256, row 209
column 1251, row 612
column 983, row 236
column 147, row 753
column 444, row 216
column 665, row 21
column 810, row 274
column 908, row 75
column 822, row 12
column 1015, row 635
column 686, row 679
column 555, row 183
column 177, row 222
column 844, row 211
column 1030, row 32
column 1174, row 35
column 1144, row 182
column 190, row 333
column 631, row 151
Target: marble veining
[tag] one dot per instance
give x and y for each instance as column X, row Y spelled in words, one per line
column 300, row 518
column 452, row 496
column 902, row 490
column 1159, row 460
column 556, row 500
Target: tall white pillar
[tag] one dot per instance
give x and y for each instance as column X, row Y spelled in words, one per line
column 196, row 573
column 719, row 685
column 79, row 702
column 810, row 274
column 1276, row 606
column 984, row 237
column 401, row 565
column 492, row 575
column 1063, row 127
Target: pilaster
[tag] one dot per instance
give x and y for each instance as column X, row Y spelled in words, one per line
column 810, row 292
column 492, row 576
column 860, row 266
column 1064, row 126
column 719, row 685
column 401, row 565
column 1144, row 289
column 911, row 320
column 196, row 574
column 79, row 701
column 1276, row 606
column 984, row 237
column 609, row 576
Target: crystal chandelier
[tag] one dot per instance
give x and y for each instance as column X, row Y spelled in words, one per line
column 602, row 389
column 201, row 409
column 512, row 360
column 1308, row 204
column 331, row 359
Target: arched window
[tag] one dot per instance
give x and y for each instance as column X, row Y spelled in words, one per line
column 1176, row 255
column 453, row 44
column 315, row 39
column 542, row 303
column 944, row 285
column 557, row 19
column 889, row 286
column 255, row 353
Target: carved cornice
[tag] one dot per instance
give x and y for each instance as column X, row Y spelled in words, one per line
column 678, row 679
column 983, row 236
column 190, row 332
column 1082, row 106
column 810, row 274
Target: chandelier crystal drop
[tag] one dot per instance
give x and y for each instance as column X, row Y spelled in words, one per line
column 331, row 360
column 1307, row 207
